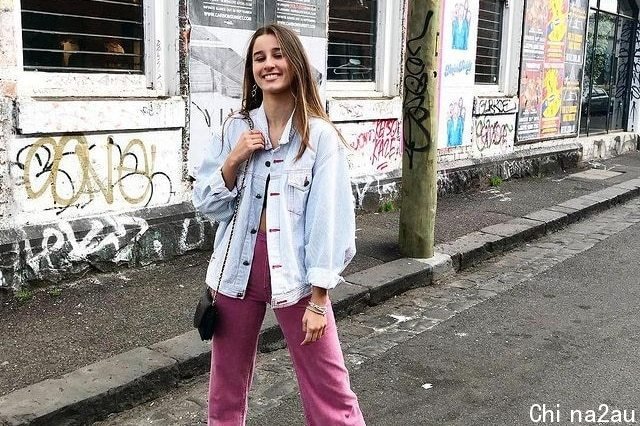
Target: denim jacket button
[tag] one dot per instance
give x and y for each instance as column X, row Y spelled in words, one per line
column 253, row 231
column 267, row 163
column 245, row 263
column 258, row 196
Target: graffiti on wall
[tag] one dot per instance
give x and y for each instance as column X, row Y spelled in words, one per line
column 76, row 171
column 493, row 134
column 383, row 142
column 376, row 147
column 110, row 240
column 494, row 106
column 634, row 115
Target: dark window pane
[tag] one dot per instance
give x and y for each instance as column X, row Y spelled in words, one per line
column 600, row 102
column 628, row 8
column 352, row 40
column 489, row 41
column 83, row 35
column 626, row 29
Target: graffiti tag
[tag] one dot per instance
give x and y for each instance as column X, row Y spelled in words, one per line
column 66, row 168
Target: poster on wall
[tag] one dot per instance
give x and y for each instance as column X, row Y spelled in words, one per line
column 551, row 68
column 220, row 34
column 459, row 28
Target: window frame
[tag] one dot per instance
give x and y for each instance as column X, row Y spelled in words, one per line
column 387, row 72
column 158, row 78
column 509, row 60
column 501, row 48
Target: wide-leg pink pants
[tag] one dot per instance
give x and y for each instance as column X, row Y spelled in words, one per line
column 326, row 394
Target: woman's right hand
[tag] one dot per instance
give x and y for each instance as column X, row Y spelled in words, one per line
column 249, row 142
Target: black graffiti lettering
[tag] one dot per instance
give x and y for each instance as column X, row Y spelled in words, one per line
column 66, row 168
column 495, row 106
column 415, row 84
column 492, row 133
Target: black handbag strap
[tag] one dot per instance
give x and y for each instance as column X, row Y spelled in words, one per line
column 235, row 212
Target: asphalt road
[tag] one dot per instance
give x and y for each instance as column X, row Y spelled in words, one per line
column 567, row 338
column 551, row 326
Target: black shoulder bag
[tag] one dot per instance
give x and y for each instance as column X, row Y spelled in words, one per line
column 206, row 316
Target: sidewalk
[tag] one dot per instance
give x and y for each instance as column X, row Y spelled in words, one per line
column 109, row 341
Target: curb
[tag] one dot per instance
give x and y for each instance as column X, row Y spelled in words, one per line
column 134, row 377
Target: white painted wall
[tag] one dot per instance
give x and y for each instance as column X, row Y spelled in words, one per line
column 91, row 144
column 62, row 177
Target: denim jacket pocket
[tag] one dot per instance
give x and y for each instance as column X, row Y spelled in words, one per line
column 298, row 185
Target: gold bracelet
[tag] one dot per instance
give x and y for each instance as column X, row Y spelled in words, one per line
column 314, row 307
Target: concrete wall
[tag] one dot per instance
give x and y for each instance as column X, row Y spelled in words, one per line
column 375, row 158
column 93, row 166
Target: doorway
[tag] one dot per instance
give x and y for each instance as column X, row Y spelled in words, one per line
column 608, row 69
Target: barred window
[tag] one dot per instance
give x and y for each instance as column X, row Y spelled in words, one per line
column 489, row 41
column 83, row 36
column 352, row 40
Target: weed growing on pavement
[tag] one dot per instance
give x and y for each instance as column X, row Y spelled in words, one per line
column 55, row 292
column 495, row 181
column 24, row 295
column 387, row 206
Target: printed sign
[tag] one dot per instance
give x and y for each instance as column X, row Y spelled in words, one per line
column 459, row 29
column 551, row 69
column 219, row 39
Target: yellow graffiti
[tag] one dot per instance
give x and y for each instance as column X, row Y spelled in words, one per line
column 50, row 165
column 553, row 100
column 558, row 23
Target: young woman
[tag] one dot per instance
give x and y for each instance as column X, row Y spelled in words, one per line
column 285, row 164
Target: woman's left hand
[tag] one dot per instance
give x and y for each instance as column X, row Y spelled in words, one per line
column 313, row 325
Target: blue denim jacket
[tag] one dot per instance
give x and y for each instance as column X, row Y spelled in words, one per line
column 310, row 213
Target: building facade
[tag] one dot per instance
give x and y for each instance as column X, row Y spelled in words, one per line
column 524, row 84
column 105, row 107
column 92, row 137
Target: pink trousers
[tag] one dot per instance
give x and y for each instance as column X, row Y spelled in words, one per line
column 326, row 394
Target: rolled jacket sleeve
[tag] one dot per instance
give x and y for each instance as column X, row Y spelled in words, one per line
column 329, row 216
column 210, row 194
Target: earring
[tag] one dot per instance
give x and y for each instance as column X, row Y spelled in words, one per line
column 254, row 90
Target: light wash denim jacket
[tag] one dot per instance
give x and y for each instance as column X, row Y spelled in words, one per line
column 310, row 214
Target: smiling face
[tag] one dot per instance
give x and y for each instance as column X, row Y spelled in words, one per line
column 271, row 69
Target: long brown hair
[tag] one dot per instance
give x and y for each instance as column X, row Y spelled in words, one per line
column 303, row 87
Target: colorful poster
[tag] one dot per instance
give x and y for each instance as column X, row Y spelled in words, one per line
column 551, row 68
column 459, row 28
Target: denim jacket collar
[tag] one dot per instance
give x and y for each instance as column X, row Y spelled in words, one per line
column 259, row 118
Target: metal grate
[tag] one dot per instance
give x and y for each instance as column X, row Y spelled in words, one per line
column 83, row 35
column 352, row 40
column 489, row 41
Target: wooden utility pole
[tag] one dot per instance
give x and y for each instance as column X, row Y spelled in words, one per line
column 420, row 130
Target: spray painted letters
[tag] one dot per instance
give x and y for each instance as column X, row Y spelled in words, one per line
column 72, row 171
column 417, row 138
column 494, row 135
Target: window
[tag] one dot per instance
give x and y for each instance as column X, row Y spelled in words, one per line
column 489, row 41
column 83, row 36
column 352, row 40
column 608, row 68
